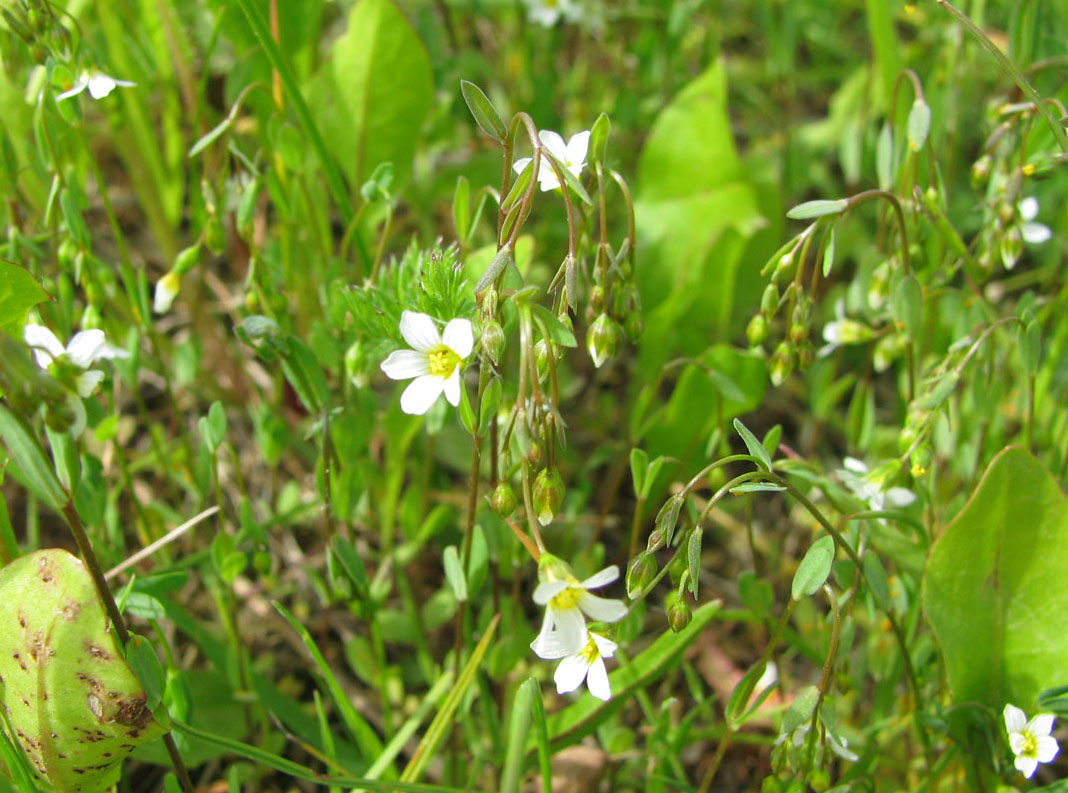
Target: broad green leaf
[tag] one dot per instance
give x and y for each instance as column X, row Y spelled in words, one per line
column 68, row 692
column 814, row 568
column 373, row 99
column 575, row 722
column 19, row 292
column 994, row 587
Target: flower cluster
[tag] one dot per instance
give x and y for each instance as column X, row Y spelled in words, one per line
column 563, row 635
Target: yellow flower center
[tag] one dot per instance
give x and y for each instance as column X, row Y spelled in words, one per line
column 1030, row 747
column 591, row 652
column 442, row 361
column 568, row 599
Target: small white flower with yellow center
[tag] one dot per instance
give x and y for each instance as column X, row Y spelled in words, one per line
column 570, row 155
column 434, row 360
column 1030, row 741
column 547, row 12
column 566, row 600
column 98, row 83
column 586, row 664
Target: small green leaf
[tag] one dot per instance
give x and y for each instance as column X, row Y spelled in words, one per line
column 1030, row 341
column 668, row 517
column 504, row 257
column 755, row 447
column 639, row 463
column 828, row 253
column 818, row 208
column 814, row 568
column 651, row 474
column 919, row 124
column 454, row 573
column 599, row 139
column 801, row 709
column 569, row 178
column 884, row 157
column 352, row 564
column 739, row 699
column 491, row 400
column 943, row 387
column 757, row 487
column 33, row 467
column 486, row 116
column 559, row 333
column 875, row 576
column 467, row 413
column 146, row 666
column 693, row 556
column 19, row 292
column 210, row 137
column 461, row 208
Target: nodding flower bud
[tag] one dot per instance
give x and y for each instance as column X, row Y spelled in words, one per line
column 769, row 301
column 166, row 290
column 187, row 259
column 597, row 298
column 785, row 265
column 356, row 364
column 1011, row 246
column 503, row 499
column 493, row 340
column 757, row 330
column 679, row 613
column 782, row 362
column 602, row 339
column 981, row 171
column 490, row 300
column 640, row 573
column 548, row 495
column 542, row 352
column 634, row 326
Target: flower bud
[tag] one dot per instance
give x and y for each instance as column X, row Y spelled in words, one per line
column 597, row 298
column 634, row 326
column 1006, row 212
column 166, row 290
column 921, row 459
column 187, row 259
column 503, row 499
column 782, row 362
column 640, row 573
column 548, row 495
column 542, row 352
column 769, row 301
column 602, row 339
column 1011, row 246
column 981, row 171
column 655, row 541
column 493, row 340
column 262, row 562
column 784, row 267
column 757, row 330
column 489, row 303
column 356, row 364
column 679, row 614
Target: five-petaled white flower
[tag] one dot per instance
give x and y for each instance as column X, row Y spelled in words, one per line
column 1033, row 233
column 586, row 664
column 434, row 360
column 566, row 599
column 98, row 83
column 570, row 155
column 547, row 12
column 870, row 488
column 73, row 362
column 1030, row 741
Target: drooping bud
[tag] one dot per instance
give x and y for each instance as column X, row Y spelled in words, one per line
column 602, row 339
column 782, row 362
column 634, row 326
column 542, row 351
column 769, row 301
column 1011, row 246
column 981, row 171
column 597, row 298
column 503, row 499
column 757, row 330
column 493, row 340
column 187, row 259
column 356, row 364
column 640, row 573
column 548, row 495
column 166, row 290
column 679, row 613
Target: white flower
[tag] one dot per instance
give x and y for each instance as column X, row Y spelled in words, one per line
column 434, row 361
column 547, row 12
column 87, row 347
column 98, row 83
column 1033, row 233
column 840, row 746
column 843, row 331
column 1030, row 741
column 586, row 664
column 566, row 599
column 166, row 290
column 869, row 488
column 570, row 155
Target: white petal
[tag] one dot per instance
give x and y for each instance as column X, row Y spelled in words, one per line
column 88, row 381
column 459, row 337
column 602, row 609
column 597, row 681
column 606, row 647
column 46, row 345
column 452, row 387
column 84, row 346
column 601, row 578
column 570, row 674
column 123, row 83
column 543, row 15
column 419, row 331
column 899, row 497
column 421, row 394
column 109, row 352
column 100, row 85
column 1027, row 765
column 1047, row 748
column 1029, row 208
column 78, row 409
column 1015, row 720
column 74, row 90
column 554, row 143
column 572, row 628
column 577, row 148
column 520, row 165
column 547, row 590
column 1017, row 742
column 840, row 748
column 1035, row 233
column 832, row 333
column 549, row 645
column 405, row 364
column 855, row 465
column 1042, row 724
